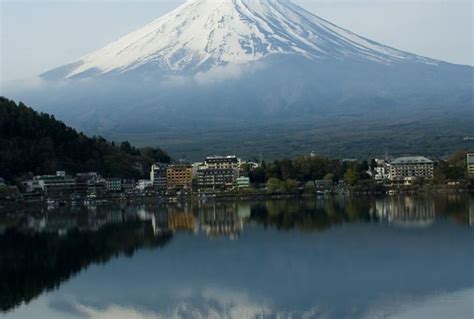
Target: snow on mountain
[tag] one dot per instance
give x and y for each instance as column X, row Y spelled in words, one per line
column 202, row 34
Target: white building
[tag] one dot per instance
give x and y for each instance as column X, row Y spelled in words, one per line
column 48, row 184
column 381, row 170
column 222, row 162
column 144, row 184
column 409, row 168
column 158, row 176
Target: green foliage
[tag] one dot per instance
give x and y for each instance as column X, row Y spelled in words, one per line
column 453, row 169
column 8, row 192
column 351, row 176
column 32, row 142
column 257, row 175
column 309, row 187
column 303, row 168
column 329, row 177
column 291, row 185
column 275, row 185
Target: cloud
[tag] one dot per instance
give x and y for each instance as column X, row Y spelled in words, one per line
column 439, row 306
column 213, row 303
column 215, row 75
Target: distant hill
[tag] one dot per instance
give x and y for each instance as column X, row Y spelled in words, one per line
column 32, row 142
column 257, row 77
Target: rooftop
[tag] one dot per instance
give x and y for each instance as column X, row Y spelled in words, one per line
column 411, row 160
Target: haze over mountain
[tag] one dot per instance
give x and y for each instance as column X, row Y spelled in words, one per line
column 214, row 65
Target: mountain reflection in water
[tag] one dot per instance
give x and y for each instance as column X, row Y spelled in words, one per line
column 277, row 269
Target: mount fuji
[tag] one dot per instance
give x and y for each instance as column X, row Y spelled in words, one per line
column 255, row 66
column 204, row 34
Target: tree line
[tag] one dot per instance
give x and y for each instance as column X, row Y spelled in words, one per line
column 304, row 169
column 287, row 174
column 34, row 143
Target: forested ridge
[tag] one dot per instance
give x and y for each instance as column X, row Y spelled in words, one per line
column 37, row 143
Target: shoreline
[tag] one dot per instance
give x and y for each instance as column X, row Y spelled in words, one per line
column 254, row 195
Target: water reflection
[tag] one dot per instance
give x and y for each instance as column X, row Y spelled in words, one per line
column 406, row 211
column 285, row 263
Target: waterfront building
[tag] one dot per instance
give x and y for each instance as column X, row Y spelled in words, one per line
column 144, row 184
column 409, row 168
column 128, row 185
column 216, row 178
column 242, row 182
column 90, row 183
column 380, row 172
column 113, row 184
column 323, row 184
column 179, row 176
column 222, row 162
column 470, row 164
column 51, row 184
column 158, row 176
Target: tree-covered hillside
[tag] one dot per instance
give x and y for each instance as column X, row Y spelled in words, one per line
column 32, row 142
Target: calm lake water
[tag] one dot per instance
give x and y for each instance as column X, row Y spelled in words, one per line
column 390, row 257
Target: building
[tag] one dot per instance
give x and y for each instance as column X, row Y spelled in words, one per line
column 323, row 184
column 51, row 184
column 216, row 178
column 90, row 183
column 2, row 182
column 128, row 185
column 144, row 184
column 158, row 176
column 179, row 176
column 222, row 162
column 113, row 184
column 470, row 164
column 381, row 170
column 242, row 182
column 409, row 168
column 249, row 164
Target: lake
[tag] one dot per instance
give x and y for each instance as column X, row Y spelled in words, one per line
column 338, row 257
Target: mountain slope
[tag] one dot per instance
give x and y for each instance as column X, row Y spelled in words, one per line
column 203, row 34
column 39, row 144
column 226, row 65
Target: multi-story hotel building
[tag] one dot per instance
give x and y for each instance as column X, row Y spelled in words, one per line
column 158, row 176
column 222, row 162
column 406, row 168
column 179, row 176
column 216, row 178
column 51, row 184
column 218, row 172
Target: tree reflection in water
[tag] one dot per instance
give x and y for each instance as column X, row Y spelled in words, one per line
column 38, row 252
column 33, row 261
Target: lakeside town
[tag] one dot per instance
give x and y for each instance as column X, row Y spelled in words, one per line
column 230, row 177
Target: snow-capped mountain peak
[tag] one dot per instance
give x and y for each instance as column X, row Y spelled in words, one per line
column 202, row 34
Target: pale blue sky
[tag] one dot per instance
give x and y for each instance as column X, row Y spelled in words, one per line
column 38, row 35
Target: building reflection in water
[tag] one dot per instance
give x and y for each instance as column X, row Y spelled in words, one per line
column 471, row 211
column 406, row 211
column 211, row 219
column 227, row 219
column 40, row 250
column 220, row 220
